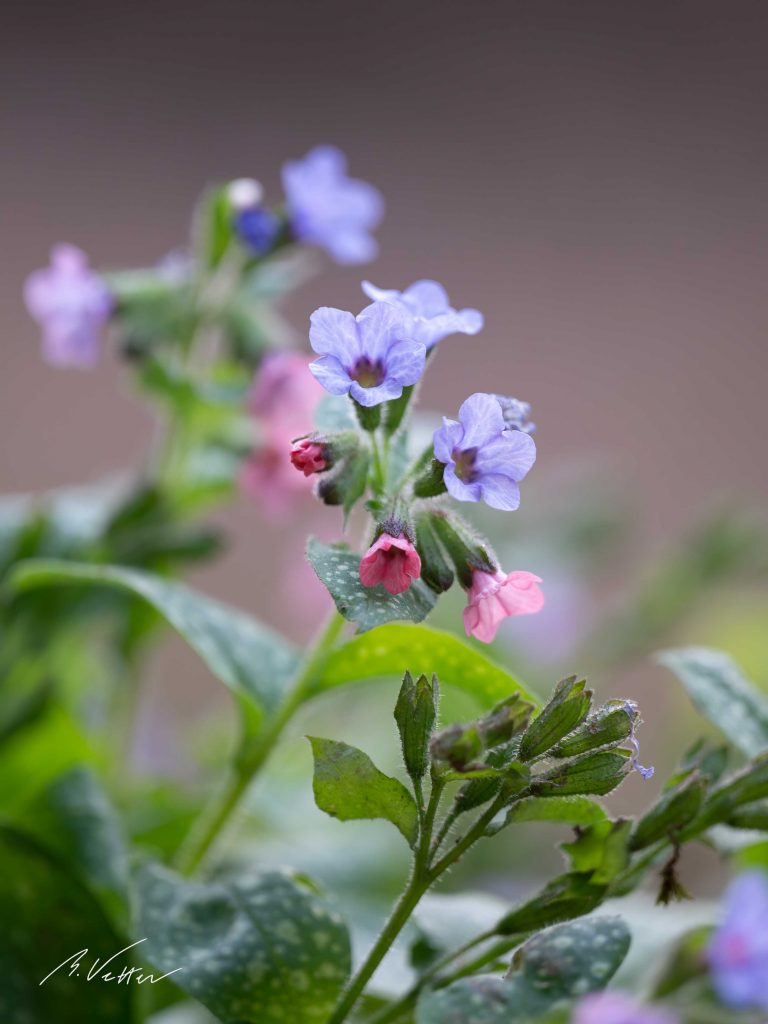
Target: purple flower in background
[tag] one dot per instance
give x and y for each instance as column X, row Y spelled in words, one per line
column 426, row 302
column 71, row 304
column 615, row 1008
column 370, row 357
column 738, row 951
column 484, row 461
column 516, row 414
column 328, row 209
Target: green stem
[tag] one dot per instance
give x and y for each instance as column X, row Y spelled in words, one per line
column 215, row 817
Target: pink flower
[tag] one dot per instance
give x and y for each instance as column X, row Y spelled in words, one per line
column 71, row 304
column 283, row 399
column 495, row 596
column 392, row 561
column 308, row 456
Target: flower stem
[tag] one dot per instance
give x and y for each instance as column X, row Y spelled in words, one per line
column 213, row 820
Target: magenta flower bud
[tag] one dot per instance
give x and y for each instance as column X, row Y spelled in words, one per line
column 392, row 561
column 309, row 456
column 495, row 596
column 71, row 304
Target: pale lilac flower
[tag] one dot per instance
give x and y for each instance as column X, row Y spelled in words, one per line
column 328, row 209
column 495, row 596
column 516, row 414
column 738, row 951
column 71, row 304
column 615, row 1008
column 633, row 713
column 371, row 357
column 426, row 302
column 258, row 228
column 484, row 461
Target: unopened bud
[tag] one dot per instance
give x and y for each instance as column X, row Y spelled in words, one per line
column 595, row 774
column 609, row 725
column 459, row 745
column 562, row 715
column 508, row 718
column 435, row 571
column 415, row 714
column 430, row 482
column 244, row 193
column 673, row 812
column 346, row 483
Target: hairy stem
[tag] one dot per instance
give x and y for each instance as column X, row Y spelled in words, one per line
column 216, row 816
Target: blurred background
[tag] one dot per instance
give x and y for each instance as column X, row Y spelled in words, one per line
column 591, row 175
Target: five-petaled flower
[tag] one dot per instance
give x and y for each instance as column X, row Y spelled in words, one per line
column 738, row 951
column 329, row 209
column 371, row 357
column 484, row 461
column 72, row 304
column 309, row 456
column 392, row 561
column 495, row 596
column 615, row 1008
column 432, row 316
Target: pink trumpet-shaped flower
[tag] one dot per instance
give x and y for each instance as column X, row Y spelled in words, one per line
column 71, row 304
column 308, row 456
column 392, row 561
column 495, row 596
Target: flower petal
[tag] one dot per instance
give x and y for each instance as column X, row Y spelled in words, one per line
column 446, row 438
column 482, row 419
column 329, row 372
column 426, row 298
column 458, row 489
column 512, row 454
column 381, row 326
column 499, row 492
column 334, row 332
column 405, row 361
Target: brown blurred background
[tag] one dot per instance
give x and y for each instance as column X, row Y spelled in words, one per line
column 591, row 175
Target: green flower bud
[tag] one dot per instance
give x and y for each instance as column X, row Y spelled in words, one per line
column 747, row 786
column 508, row 718
column 673, row 812
column 467, row 551
column 565, row 711
column 415, row 714
column 429, row 483
column 609, row 725
column 753, row 816
column 435, row 571
column 459, row 745
column 345, row 484
column 568, row 896
column 595, row 774
column 512, row 774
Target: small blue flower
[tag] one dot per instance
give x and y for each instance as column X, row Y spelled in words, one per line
column 633, row 713
column 370, row 357
column 328, row 209
column 258, row 227
column 433, row 316
column 516, row 414
column 484, row 461
column 738, row 951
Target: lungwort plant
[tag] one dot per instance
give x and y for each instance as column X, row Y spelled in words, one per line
column 126, row 899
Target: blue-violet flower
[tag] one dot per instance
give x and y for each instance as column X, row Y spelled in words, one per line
column 370, row 357
column 615, row 1008
column 738, row 951
column 71, row 304
column 483, row 460
column 433, row 316
column 516, row 414
column 328, row 209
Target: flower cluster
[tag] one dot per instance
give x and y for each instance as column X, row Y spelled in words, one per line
column 376, row 358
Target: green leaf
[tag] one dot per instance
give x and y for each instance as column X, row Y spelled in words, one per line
column 248, row 657
column 48, row 917
column 573, row 810
column 75, row 820
column 421, row 650
column 256, row 948
column 349, row 786
column 601, row 849
column 557, row 964
column 338, row 568
column 721, row 693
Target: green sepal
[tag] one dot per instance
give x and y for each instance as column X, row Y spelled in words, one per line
column 435, row 570
column 601, row 850
column 416, row 714
column 346, row 484
column 395, row 410
column 676, row 809
column 431, row 482
column 593, row 774
column 567, row 708
column 369, row 416
column 467, row 551
column 505, row 720
column 568, row 896
column 609, row 724
column 458, row 745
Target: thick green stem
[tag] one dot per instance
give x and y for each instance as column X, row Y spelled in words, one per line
column 215, row 817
